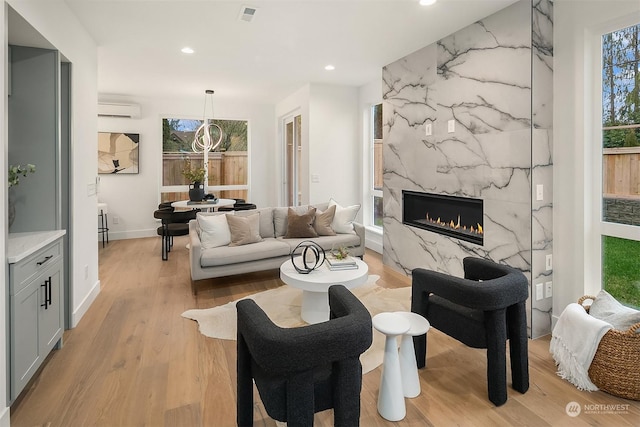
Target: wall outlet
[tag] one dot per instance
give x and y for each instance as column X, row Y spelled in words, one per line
column 451, row 126
column 548, row 289
column 548, row 263
column 116, row 220
column 86, row 272
column 539, row 192
column 315, row 177
column 428, row 129
column 539, row 292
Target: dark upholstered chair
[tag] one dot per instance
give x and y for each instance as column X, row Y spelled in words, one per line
column 239, row 206
column 301, row 371
column 482, row 310
column 174, row 223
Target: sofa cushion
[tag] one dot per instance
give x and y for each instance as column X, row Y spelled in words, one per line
column 214, row 230
column 328, row 242
column 300, row 225
column 266, row 220
column 344, row 217
column 244, row 230
column 322, row 223
column 226, row 255
column 280, row 215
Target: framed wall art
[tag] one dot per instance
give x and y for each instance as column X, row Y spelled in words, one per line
column 118, row 152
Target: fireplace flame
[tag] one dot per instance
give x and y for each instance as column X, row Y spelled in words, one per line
column 455, row 225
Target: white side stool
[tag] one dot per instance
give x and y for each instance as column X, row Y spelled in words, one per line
column 391, row 397
column 408, row 366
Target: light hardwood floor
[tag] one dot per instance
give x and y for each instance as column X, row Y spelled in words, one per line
column 134, row 361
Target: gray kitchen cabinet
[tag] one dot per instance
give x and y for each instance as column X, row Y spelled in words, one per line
column 36, row 309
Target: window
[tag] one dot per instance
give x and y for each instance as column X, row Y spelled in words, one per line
column 228, row 164
column 376, row 166
column 620, row 221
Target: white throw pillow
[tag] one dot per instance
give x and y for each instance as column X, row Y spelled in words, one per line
column 606, row 307
column 214, row 230
column 344, row 217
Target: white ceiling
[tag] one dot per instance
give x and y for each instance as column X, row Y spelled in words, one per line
column 286, row 46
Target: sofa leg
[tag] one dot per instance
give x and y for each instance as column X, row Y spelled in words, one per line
column 194, row 287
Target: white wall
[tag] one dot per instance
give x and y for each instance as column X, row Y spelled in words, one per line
column 335, row 155
column 330, row 143
column 133, row 198
column 577, row 24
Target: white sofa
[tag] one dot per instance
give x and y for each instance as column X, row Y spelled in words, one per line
column 269, row 253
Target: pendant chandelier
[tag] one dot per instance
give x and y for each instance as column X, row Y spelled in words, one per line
column 209, row 135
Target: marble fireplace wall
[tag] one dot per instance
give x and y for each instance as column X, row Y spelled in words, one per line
column 493, row 80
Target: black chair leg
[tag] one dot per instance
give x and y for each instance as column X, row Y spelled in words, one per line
column 420, row 348
column 165, row 244
column 518, row 347
column 496, row 356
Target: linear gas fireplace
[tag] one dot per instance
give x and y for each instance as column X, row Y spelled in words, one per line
column 452, row 216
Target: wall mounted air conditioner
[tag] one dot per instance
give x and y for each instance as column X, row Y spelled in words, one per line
column 110, row 109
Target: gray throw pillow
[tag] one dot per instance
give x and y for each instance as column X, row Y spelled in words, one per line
column 607, row 308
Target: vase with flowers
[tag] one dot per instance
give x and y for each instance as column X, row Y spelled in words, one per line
column 196, row 176
column 15, row 172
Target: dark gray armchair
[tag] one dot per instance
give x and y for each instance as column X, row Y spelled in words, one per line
column 482, row 310
column 301, row 371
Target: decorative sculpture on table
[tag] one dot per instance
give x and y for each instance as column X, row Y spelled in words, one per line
column 307, row 256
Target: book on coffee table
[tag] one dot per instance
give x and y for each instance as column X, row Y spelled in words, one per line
column 348, row 263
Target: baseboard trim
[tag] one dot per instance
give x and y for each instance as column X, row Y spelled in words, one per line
column 85, row 304
column 5, row 418
column 134, row 234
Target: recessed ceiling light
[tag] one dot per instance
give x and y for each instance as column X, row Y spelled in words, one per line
column 187, row 50
column 329, row 67
column 427, row 2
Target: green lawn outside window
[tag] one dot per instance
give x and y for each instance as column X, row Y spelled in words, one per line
column 621, row 269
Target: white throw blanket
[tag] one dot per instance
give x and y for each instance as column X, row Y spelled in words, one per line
column 574, row 342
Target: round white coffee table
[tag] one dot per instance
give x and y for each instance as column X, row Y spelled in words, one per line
column 315, row 285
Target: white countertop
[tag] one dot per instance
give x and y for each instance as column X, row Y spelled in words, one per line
column 21, row 245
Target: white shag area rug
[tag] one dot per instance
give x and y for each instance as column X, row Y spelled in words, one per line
column 282, row 305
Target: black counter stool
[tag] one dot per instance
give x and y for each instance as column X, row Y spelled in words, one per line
column 103, row 227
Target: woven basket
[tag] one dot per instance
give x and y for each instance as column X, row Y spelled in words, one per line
column 616, row 365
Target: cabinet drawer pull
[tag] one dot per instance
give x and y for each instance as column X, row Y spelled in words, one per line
column 46, row 294
column 47, row 258
column 49, row 298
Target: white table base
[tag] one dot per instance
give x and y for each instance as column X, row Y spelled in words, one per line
column 409, row 367
column 315, row 307
column 390, row 397
column 391, row 404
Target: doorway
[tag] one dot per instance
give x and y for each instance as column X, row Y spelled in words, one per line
column 292, row 159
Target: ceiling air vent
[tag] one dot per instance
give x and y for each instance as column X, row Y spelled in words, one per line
column 247, row 13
